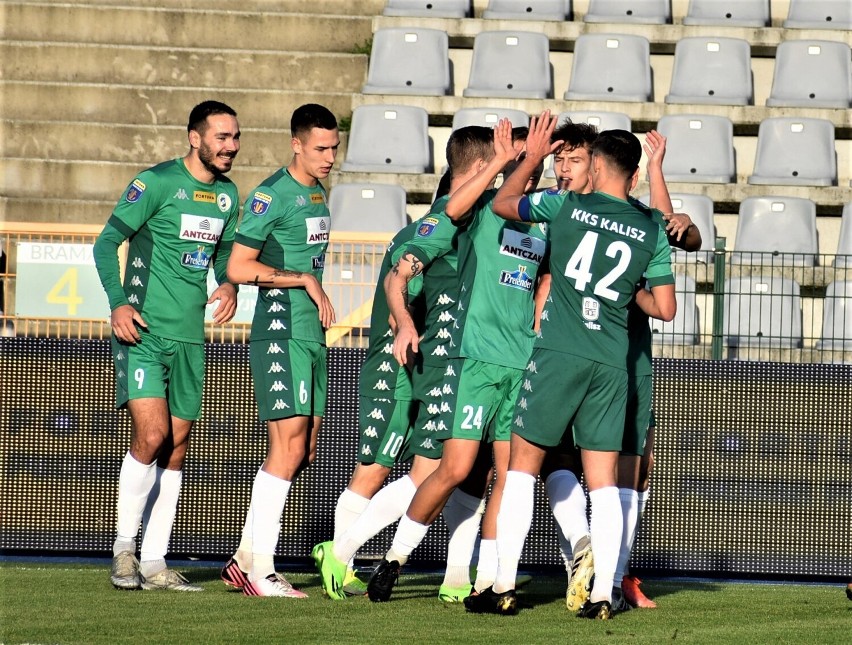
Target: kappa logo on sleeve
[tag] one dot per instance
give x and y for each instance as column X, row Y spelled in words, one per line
column 260, row 203
column 135, row 191
column 427, row 227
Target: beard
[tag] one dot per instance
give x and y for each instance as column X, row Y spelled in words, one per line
column 209, row 160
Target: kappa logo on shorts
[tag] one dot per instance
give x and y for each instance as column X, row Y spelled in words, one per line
column 280, row 405
column 135, row 191
column 447, row 389
column 276, row 325
column 377, row 414
column 385, row 367
column 274, row 292
column 136, row 282
column 366, row 451
column 133, row 299
column 138, row 263
column 433, row 408
column 519, row 421
column 450, row 371
column 527, row 385
column 119, row 356
column 444, row 333
column 388, row 348
column 445, row 407
column 371, row 432
column 522, row 403
column 120, row 374
column 427, row 443
column 429, row 426
column 444, row 299
column 275, row 368
column 427, row 226
column 277, row 386
column 441, row 426
column 532, row 367
column 435, row 391
column 260, row 203
column 440, row 350
column 446, row 316
column 382, row 384
column 274, row 348
column 275, row 307
column 545, row 314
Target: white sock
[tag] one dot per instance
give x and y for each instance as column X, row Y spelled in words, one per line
column 243, row 554
column 513, row 524
column 630, row 516
column 486, row 566
column 644, row 496
column 158, row 520
column 268, row 496
column 386, row 507
column 568, row 504
column 135, row 481
column 462, row 515
column 606, row 529
column 349, row 507
column 409, row 534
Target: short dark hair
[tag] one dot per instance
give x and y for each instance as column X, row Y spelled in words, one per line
column 621, row 148
column 468, row 144
column 198, row 116
column 309, row 116
column 575, row 135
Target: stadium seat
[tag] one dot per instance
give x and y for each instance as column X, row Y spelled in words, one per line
column 510, row 64
column 700, row 210
column 685, row 328
column 781, row 226
column 367, row 208
column 812, row 73
column 409, row 61
column 837, row 317
column 388, row 138
column 649, row 12
column 700, row 148
column 611, row 67
column 712, row 70
column 600, row 119
column 819, row 14
column 844, row 244
column 732, row 13
column 762, row 311
column 428, row 8
column 528, row 10
column 489, row 117
column 796, row 152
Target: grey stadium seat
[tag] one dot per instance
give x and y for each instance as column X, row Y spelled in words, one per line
column 611, row 67
column 837, row 317
column 489, row 117
column 367, row 208
column 762, row 311
column 782, row 226
column 812, row 73
column 700, row 148
column 712, row 70
column 733, row 13
column 409, row 61
column 684, row 329
column 510, row 64
column 528, row 10
column 844, row 244
column 388, row 138
column 796, row 152
column 649, row 12
column 428, row 8
column 819, row 14
column 700, row 210
column 601, row 119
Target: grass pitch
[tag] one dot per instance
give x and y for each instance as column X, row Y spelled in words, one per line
column 69, row 603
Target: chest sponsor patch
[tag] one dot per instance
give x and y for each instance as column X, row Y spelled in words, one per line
column 318, row 229
column 519, row 279
column 523, row 246
column 318, row 262
column 427, row 227
column 201, row 229
column 134, row 191
column 317, row 198
column 260, row 203
column 204, row 196
column 198, row 260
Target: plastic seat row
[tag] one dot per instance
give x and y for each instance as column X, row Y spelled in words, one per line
column 610, row 67
column 802, row 14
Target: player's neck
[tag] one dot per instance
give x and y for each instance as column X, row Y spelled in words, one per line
column 298, row 173
column 198, row 170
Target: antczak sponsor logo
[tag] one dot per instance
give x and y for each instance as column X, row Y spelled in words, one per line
column 318, row 229
column 200, row 229
column 522, row 246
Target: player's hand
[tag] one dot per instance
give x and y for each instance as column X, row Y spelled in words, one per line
column 226, row 294
column 318, row 295
column 405, row 344
column 677, row 224
column 504, row 149
column 123, row 321
column 655, row 148
column 538, row 144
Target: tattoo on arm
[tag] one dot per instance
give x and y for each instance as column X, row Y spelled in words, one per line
column 277, row 273
column 416, row 264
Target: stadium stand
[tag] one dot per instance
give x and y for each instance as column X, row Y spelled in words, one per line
column 510, row 64
column 489, row 117
column 700, row 210
column 700, row 148
column 528, row 10
column 762, row 311
column 367, row 208
column 844, row 239
column 601, row 119
column 388, row 138
column 819, row 14
column 409, row 61
column 652, row 12
column 684, row 329
column 782, row 226
column 428, row 8
column 795, row 151
column 812, row 73
column 728, row 13
column 712, row 70
column 837, row 317
column 611, row 67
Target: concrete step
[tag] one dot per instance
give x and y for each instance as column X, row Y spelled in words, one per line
column 181, row 27
column 334, row 7
column 155, row 105
column 55, row 211
column 182, row 67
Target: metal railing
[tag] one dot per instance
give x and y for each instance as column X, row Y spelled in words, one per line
column 731, row 305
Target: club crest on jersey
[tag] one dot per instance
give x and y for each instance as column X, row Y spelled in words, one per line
column 519, row 279
column 591, row 312
column 198, row 260
column 224, row 201
column 260, row 203
column 318, row 229
column 134, row 191
column 427, row 227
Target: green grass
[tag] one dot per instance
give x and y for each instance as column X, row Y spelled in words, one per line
column 76, row 604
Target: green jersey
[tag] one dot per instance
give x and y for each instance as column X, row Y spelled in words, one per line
column 498, row 265
column 380, row 372
column 178, row 228
column 436, row 245
column 600, row 247
column 289, row 224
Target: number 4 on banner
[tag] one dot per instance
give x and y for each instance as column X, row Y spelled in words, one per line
column 67, row 283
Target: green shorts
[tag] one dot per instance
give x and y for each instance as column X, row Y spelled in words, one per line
column 638, row 415
column 385, row 430
column 433, row 413
column 290, row 378
column 160, row 368
column 560, row 390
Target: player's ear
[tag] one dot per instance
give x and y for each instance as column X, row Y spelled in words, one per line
column 296, row 145
column 634, row 180
column 194, row 139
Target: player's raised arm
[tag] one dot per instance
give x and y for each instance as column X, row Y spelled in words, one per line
column 538, row 146
column 659, row 302
column 406, row 337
